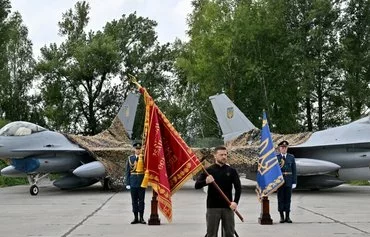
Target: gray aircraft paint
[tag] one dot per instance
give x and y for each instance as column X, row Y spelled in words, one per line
column 327, row 159
column 35, row 152
column 127, row 112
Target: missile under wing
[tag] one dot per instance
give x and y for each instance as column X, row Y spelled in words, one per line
column 36, row 152
column 324, row 159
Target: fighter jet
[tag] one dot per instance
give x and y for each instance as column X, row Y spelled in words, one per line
column 324, row 159
column 35, row 152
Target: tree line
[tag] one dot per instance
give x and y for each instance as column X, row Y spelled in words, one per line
column 305, row 62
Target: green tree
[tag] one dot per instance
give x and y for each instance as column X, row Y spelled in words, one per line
column 142, row 55
column 84, row 80
column 20, row 63
column 355, row 56
column 281, row 56
column 239, row 47
column 207, row 61
column 77, row 76
column 16, row 66
column 4, row 13
column 314, row 27
column 267, row 64
column 4, row 36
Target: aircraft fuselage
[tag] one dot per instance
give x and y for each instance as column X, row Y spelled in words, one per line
column 18, row 147
column 345, row 157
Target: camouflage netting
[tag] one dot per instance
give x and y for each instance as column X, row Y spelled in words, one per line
column 112, row 147
column 253, row 138
column 243, row 151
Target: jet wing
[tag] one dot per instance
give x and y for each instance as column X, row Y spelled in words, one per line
column 51, row 149
column 355, row 134
column 354, row 145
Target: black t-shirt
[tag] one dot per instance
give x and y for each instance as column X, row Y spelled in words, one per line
column 225, row 177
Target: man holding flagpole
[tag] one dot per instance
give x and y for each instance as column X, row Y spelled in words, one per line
column 217, row 207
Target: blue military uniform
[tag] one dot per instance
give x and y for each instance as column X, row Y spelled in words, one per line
column 134, row 180
column 284, row 193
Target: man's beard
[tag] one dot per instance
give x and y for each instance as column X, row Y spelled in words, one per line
column 221, row 162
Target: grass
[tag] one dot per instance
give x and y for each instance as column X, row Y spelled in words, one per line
column 359, row 182
column 10, row 181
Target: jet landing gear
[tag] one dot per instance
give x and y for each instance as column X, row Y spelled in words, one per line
column 34, row 190
column 33, row 179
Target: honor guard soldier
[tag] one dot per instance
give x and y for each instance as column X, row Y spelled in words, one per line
column 288, row 169
column 134, row 178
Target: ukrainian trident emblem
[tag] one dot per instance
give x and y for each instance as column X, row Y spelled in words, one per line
column 230, row 112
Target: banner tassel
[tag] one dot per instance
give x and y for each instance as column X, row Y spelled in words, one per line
column 144, row 184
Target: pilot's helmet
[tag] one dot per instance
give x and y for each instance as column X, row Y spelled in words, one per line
column 283, row 143
column 137, row 145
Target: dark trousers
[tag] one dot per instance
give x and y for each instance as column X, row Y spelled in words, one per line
column 214, row 215
column 284, row 195
column 137, row 197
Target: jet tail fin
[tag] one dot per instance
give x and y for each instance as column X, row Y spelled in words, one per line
column 232, row 121
column 127, row 112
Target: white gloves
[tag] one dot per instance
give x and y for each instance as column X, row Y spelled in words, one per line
column 294, row 186
column 128, row 187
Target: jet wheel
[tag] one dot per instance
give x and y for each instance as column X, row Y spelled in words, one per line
column 34, row 190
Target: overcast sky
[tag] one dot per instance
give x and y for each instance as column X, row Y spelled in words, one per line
column 41, row 16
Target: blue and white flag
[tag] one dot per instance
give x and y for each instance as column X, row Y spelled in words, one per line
column 269, row 176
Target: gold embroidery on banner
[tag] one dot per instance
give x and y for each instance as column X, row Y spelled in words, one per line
column 264, row 164
column 272, row 187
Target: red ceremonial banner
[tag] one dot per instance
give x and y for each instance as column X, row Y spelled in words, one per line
column 169, row 160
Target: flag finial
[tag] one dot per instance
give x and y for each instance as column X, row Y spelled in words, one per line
column 134, row 80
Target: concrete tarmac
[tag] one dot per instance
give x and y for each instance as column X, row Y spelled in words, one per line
column 341, row 211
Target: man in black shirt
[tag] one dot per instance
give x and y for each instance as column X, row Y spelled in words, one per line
column 217, row 207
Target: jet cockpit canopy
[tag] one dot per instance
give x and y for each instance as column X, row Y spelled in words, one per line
column 20, row 128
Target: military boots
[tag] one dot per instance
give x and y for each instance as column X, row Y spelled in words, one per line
column 282, row 219
column 136, row 219
column 287, row 219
